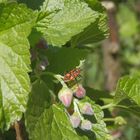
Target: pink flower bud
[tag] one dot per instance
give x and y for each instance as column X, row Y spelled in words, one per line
column 79, row 91
column 86, row 108
column 75, row 120
column 65, row 96
column 86, row 125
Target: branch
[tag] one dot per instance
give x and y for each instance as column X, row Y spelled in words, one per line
column 18, row 130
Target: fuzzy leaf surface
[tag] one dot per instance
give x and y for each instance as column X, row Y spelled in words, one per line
column 128, row 87
column 96, row 31
column 45, row 121
column 61, row 19
column 16, row 22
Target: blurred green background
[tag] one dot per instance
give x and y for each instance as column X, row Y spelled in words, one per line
column 117, row 56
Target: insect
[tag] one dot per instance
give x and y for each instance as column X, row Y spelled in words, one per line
column 72, row 75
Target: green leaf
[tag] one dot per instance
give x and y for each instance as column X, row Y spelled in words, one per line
column 34, row 4
column 101, row 131
column 68, row 18
column 39, row 101
column 61, row 122
column 47, row 123
column 128, row 87
column 64, row 59
column 130, row 107
column 96, row 95
column 15, row 26
column 52, row 5
column 97, row 31
column 99, row 128
column 34, row 38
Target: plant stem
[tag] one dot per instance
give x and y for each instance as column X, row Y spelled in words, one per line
column 59, row 78
column 109, row 119
column 76, row 108
column 113, row 105
column 122, row 106
column 108, row 106
column 18, row 131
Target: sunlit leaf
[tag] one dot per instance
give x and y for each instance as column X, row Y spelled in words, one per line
column 97, row 31
column 16, row 22
column 67, row 18
column 128, row 87
column 54, row 124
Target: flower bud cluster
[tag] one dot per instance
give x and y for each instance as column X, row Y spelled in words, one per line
column 67, row 96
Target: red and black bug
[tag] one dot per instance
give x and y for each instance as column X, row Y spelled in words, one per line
column 72, row 75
